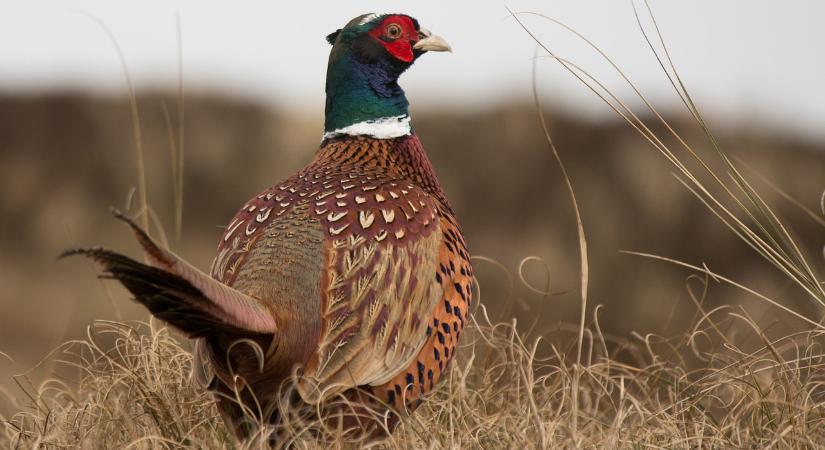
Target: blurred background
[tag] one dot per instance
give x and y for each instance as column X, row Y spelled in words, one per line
column 253, row 83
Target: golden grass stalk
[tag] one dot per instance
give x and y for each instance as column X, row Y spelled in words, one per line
column 735, row 202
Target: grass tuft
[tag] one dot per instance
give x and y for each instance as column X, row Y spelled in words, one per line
column 503, row 391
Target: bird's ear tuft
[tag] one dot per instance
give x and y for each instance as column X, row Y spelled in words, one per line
column 333, row 36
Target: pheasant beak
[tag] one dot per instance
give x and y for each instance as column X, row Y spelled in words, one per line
column 429, row 42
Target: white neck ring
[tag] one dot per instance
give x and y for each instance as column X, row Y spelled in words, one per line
column 382, row 128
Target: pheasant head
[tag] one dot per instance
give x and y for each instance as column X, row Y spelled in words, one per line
column 367, row 57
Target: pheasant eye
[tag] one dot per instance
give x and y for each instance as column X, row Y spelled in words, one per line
column 393, row 31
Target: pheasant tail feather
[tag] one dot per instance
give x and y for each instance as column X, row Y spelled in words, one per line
column 178, row 293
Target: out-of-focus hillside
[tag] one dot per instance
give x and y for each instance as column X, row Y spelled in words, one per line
column 65, row 159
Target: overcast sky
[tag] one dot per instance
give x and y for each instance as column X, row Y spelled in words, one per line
column 755, row 61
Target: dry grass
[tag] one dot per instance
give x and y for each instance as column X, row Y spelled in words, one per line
column 698, row 390
column 727, row 380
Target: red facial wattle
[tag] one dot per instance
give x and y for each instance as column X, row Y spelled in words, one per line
column 401, row 47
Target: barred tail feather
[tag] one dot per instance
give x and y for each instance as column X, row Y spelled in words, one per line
column 178, row 293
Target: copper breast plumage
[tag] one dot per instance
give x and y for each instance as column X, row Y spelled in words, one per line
column 395, row 281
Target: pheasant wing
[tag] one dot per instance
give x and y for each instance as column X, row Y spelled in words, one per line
column 383, row 242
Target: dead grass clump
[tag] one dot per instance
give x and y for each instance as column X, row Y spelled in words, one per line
column 502, row 394
column 503, row 391
column 131, row 389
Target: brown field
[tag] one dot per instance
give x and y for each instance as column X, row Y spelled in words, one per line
column 670, row 357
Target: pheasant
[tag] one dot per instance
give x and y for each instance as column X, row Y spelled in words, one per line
column 352, row 275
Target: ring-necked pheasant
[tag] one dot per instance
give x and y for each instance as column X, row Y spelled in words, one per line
column 352, row 273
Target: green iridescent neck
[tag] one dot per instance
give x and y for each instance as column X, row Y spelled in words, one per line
column 364, row 98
